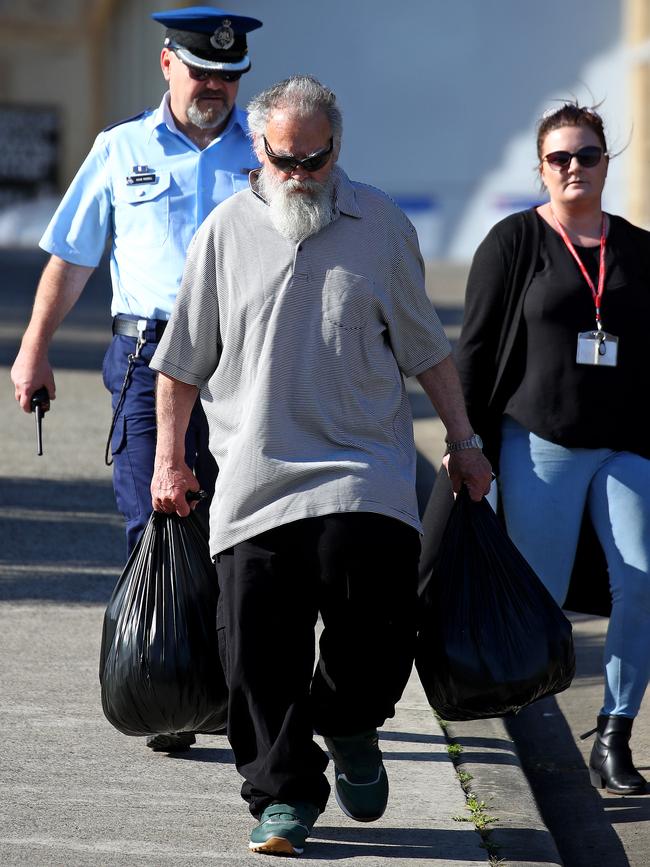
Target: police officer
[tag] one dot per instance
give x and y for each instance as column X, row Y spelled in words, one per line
column 149, row 182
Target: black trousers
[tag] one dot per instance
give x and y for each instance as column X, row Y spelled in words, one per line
column 360, row 571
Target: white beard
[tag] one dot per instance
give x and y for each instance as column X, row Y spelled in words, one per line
column 298, row 208
column 208, row 119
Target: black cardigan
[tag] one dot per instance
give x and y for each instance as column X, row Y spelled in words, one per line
column 487, row 367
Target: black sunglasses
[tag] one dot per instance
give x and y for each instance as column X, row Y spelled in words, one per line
column 197, row 74
column 588, row 157
column 288, row 163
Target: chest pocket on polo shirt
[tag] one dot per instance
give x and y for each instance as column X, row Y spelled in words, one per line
column 144, row 210
column 347, row 299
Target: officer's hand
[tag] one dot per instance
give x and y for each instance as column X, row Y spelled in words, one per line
column 169, row 486
column 469, row 467
column 31, row 370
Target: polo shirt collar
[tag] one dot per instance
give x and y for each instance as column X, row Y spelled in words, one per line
column 344, row 194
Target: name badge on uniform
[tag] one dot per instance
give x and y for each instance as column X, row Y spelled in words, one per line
column 597, row 347
column 141, row 175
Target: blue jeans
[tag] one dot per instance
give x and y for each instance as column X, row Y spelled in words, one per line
column 545, row 489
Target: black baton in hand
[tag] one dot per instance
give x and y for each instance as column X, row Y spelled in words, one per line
column 40, row 404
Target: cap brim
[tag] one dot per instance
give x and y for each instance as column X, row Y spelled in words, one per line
column 186, row 56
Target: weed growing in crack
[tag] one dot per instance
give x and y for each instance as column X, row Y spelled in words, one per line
column 478, row 810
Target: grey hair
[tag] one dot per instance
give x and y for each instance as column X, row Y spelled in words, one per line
column 304, row 95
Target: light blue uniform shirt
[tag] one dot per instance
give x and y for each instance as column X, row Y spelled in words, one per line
column 151, row 223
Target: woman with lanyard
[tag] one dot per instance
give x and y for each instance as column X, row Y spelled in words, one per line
column 554, row 361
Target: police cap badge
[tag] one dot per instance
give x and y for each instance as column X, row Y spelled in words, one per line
column 208, row 38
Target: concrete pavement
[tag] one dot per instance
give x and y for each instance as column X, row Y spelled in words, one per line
column 590, row 827
column 76, row 792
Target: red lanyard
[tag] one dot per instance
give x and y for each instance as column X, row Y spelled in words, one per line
column 597, row 295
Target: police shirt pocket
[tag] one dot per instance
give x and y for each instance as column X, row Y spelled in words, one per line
column 144, row 209
column 347, row 299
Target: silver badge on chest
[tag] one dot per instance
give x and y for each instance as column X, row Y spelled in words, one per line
column 223, row 37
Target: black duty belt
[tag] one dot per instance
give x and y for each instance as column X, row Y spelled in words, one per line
column 130, row 327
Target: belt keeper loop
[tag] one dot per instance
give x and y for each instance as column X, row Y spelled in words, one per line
column 142, row 336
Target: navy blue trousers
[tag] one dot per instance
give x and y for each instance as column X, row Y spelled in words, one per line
column 133, row 444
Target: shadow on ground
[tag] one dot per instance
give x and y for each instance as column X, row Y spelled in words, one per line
column 404, row 844
column 20, row 271
column 60, row 541
column 559, row 778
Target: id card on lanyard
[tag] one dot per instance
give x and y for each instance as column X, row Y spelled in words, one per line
column 596, row 347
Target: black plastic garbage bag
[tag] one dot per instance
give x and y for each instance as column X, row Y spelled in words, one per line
column 491, row 637
column 159, row 663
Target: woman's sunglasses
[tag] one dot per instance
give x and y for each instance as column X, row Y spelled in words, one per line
column 288, row 163
column 588, row 157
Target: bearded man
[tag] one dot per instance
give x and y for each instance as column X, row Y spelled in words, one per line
column 302, row 307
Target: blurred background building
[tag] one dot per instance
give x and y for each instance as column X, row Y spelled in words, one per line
column 440, row 98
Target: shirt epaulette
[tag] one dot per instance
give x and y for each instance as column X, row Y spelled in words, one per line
column 126, row 120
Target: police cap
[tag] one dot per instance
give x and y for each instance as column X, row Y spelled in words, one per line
column 208, row 38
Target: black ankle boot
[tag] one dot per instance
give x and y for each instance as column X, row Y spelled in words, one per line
column 610, row 764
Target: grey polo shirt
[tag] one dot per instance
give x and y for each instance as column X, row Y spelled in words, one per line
column 298, row 350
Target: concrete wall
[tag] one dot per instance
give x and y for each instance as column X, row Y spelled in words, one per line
column 440, row 98
column 45, row 61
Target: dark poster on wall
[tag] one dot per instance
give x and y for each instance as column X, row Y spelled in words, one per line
column 29, row 151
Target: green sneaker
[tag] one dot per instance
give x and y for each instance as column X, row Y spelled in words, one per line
column 283, row 829
column 361, row 779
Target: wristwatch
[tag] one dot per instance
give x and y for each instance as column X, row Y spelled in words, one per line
column 474, row 442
